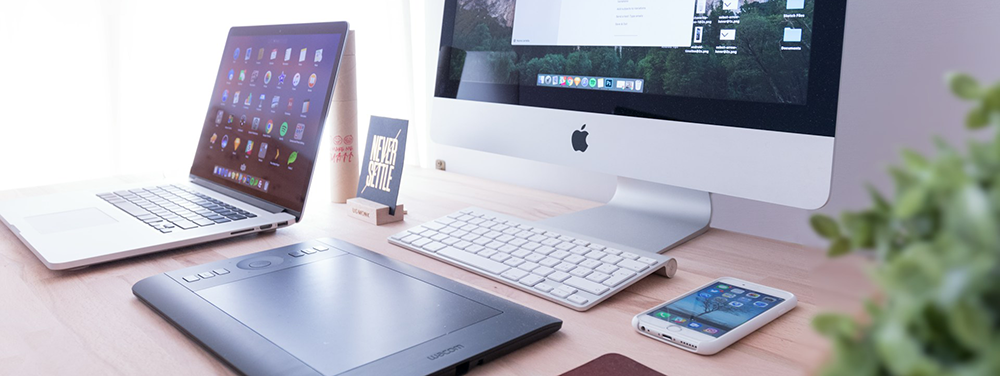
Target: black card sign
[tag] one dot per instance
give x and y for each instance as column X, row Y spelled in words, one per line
column 383, row 165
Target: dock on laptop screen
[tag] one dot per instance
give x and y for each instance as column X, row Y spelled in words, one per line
column 262, row 129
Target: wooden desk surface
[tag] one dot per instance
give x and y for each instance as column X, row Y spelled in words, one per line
column 88, row 322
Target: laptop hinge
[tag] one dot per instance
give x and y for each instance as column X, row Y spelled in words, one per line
column 268, row 206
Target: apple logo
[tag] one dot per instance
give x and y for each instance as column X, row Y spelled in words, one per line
column 580, row 139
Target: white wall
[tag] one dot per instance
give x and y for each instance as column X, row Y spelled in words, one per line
column 892, row 96
column 93, row 88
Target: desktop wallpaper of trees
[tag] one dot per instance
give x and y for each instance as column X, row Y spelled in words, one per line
column 759, row 72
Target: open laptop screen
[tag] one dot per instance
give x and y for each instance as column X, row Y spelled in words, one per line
column 272, row 92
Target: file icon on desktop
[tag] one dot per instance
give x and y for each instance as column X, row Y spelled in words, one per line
column 795, row 4
column 793, row 35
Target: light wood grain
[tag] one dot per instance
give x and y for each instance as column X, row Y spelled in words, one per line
column 88, row 322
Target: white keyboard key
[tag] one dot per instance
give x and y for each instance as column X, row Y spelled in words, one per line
column 577, row 299
column 537, row 238
column 634, row 265
column 647, row 260
column 482, row 241
column 550, row 262
column 474, row 260
column 514, row 274
column 558, row 276
column 531, row 246
column 581, row 242
column 531, row 280
column 434, row 225
column 434, row 247
column 469, row 227
column 565, row 267
column 596, row 255
column 448, row 230
column 559, row 292
column 519, row 242
column 401, row 235
column 612, row 259
column 543, row 287
column 567, row 289
column 522, row 253
column 465, row 218
column 462, row 244
column 596, row 246
column 534, row 257
column 512, row 231
column 543, row 271
column 492, row 234
column 565, row 246
column 617, row 279
column 451, row 241
column 501, row 257
column 476, row 221
column 567, row 238
column 528, row 266
column 421, row 242
column 574, row 259
column 504, row 238
column 475, row 248
column 598, row 277
column 524, row 234
column 612, row 251
column 559, row 254
column 487, row 252
column 507, row 248
column 585, row 285
column 439, row 237
column 629, row 255
column 494, row 245
column 479, row 231
column 606, row 268
column 551, row 242
column 545, row 250
column 581, row 272
column 445, row 221
column 590, row 263
column 514, row 261
column 410, row 239
column 580, row 250
column 470, row 237
column 418, row 229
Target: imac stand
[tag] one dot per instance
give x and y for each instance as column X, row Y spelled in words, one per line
column 648, row 216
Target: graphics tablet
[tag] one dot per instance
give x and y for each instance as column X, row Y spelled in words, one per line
column 327, row 307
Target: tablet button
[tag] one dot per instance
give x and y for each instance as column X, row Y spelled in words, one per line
column 259, row 264
column 674, row 328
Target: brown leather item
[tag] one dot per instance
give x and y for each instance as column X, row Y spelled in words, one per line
column 612, row 365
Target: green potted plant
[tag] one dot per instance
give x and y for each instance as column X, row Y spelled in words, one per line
column 936, row 247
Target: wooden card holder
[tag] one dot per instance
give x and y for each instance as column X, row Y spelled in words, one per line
column 373, row 212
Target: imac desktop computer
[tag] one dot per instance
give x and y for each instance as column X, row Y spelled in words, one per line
column 678, row 98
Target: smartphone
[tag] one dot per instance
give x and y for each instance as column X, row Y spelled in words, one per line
column 714, row 316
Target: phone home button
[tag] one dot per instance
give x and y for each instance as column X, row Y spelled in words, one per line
column 674, row 328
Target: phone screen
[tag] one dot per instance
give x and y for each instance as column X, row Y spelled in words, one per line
column 717, row 309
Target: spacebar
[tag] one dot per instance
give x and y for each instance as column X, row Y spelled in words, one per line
column 473, row 260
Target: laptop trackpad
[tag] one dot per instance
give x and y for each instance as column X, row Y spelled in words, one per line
column 344, row 312
column 69, row 220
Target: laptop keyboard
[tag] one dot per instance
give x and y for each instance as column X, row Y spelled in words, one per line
column 170, row 208
column 570, row 270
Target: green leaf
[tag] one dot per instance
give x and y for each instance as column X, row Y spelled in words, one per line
column 840, row 247
column 992, row 98
column 911, row 202
column 964, row 86
column 914, row 160
column 880, row 202
column 978, row 117
column 825, row 226
column 835, row 325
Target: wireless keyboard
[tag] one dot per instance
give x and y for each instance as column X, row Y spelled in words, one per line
column 566, row 268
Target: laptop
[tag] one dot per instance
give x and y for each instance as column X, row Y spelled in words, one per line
column 327, row 307
column 251, row 170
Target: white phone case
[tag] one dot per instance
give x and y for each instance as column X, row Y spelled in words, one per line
column 699, row 343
